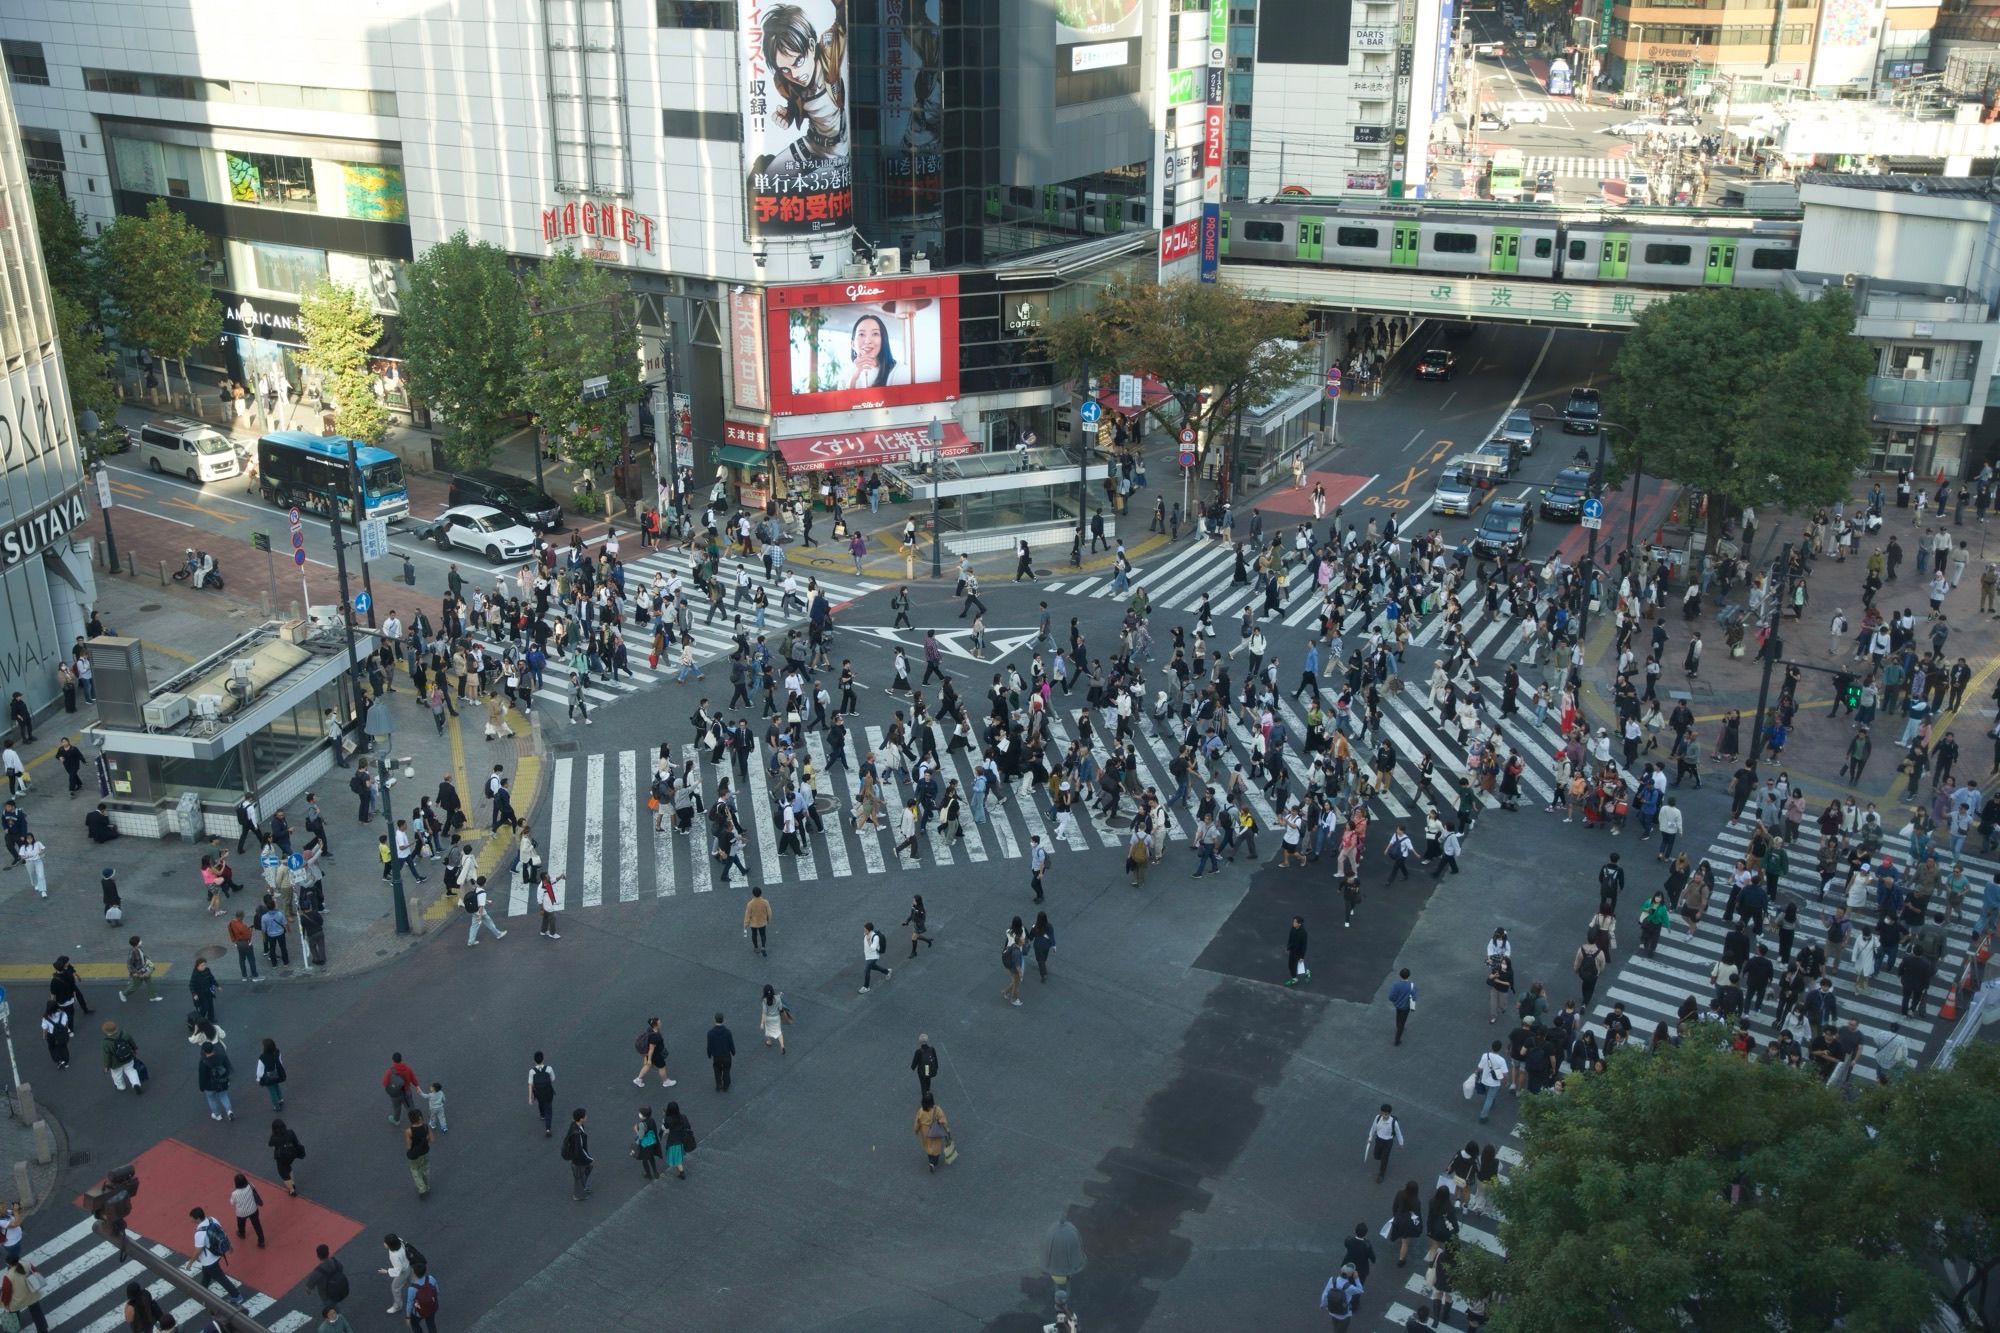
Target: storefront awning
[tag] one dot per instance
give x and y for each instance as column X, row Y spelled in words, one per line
column 868, row 448
column 735, row 455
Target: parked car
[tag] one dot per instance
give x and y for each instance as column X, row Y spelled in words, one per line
column 482, row 528
column 517, row 497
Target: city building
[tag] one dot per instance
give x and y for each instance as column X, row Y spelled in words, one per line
column 851, row 217
column 1920, row 257
column 46, row 584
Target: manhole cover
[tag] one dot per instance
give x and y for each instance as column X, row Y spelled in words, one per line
column 149, row 606
column 79, row 1159
column 564, row 747
column 823, row 804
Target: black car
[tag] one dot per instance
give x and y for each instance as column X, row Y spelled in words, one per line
column 1437, row 364
column 1584, row 410
column 1564, row 497
column 1503, row 530
column 517, row 497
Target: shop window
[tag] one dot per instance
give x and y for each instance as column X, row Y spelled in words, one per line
column 290, row 269
column 271, row 179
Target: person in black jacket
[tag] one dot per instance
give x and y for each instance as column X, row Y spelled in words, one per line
column 576, row 1151
column 328, row 1280
column 1295, row 953
column 721, row 1053
column 924, row 1062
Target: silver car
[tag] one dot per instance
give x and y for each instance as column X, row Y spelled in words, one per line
column 1520, row 430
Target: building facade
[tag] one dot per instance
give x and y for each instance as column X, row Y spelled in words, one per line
column 46, row 585
column 844, row 218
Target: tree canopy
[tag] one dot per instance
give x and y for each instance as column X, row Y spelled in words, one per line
column 465, row 334
column 156, row 289
column 1751, row 397
column 66, row 246
column 578, row 332
column 341, row 329
column 1688, row 1188
column 1193, row 337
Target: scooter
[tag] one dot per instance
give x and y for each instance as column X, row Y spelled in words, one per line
column 199, row 570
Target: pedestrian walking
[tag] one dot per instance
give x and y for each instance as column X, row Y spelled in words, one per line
column 286, row 1153
column 680, row 1138
column 1448, row 853
column 721, row 1052
column 652, row 1047
column 871, row 954
column 1402, row 998
column 400, row 1082
column 757, row 922
column 473, row 902
column 1038, row 865
column 21, row 1289
column 1042, row 939
column 422, row 1298
column 576, row 1151
column 1490, row 1075
column 773, row 1016
column 211, row 1245
column 56, row 1032
column 1295, row 953
column 1341, row 1298
column 35, row 853
column 1588, row 965
column 924, row 1062
column 244, row 939
column 328, row 1280
column 417, row 1152
column 434, row 1102
column 271, row 1074
column 202, row 986
column 66, row 988
column 212, row 1074
column 648, row 1144
column 401, row 1258
column 1013, row 957
column 933, row 1131
column 248, row 1206
column 1384, row 1136
column 121, row 1059
column 545, row 898
column 542, row 1092
column 277, row 951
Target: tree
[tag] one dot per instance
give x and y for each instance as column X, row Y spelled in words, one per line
column 1691, row 1189
column 66, row 246
column 1216, row 350
column 86, row 365
column 578, row 334
column 465, row 337
column 156, row 292
column 341, row 330
column 1750, row 397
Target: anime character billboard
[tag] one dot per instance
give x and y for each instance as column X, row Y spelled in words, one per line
column 796, row 139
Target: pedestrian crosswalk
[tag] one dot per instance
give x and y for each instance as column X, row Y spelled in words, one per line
column 1397, row 1292
column 714, row 638
column 86, row 1279
column 1575, row 167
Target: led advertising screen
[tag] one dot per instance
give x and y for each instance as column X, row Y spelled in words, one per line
column 871, row 342
column 912, row 109
column 1097, row 49
column 1095, row 20
column 800, row 176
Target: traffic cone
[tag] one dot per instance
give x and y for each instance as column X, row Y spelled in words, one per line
column 1950, row 1011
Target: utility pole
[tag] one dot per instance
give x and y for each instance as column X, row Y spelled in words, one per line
column 1773, row 649
column 1084, row 429
column 360, row 516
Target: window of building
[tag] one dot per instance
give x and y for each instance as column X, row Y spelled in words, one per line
column 1268, row 233
column 1357, row 238
column 271, row 179
column 724, row 126
column 1670, row 256
column 1239, row 157
column 1454, row 243
column 585, row 63
column 1239, row 111
column 290, row 269
column 1782, row 259
column 44, row 152
column 25, row 63
column 696, row 13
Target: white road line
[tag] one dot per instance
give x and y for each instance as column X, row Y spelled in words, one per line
column 49, row 1249
column 663, row 854
column 593, row 831
column 699, row 848
column 629, row 815
column 759, row 817
column 557, row 851
column 835, row 835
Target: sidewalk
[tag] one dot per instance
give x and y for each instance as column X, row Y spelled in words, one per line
column 1816, row 748
column 159, row 882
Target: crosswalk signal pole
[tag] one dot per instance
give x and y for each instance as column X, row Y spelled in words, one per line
column 1773, row 649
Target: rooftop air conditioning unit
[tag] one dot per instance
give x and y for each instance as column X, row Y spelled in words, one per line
column 889, row 259
column 167, row 710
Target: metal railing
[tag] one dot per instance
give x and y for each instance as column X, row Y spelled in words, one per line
column 1893, row 391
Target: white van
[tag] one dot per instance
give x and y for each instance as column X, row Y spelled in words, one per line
column 187, row 449
column 1524, row 113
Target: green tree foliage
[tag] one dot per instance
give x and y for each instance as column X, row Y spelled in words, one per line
column 156, row 292
column 1752, row 397
column 578, row 331
column 1691, row 1189
column 86, row 365
column 66, row 246
column 1191, row 336
column 465, row 337
column 341, row 329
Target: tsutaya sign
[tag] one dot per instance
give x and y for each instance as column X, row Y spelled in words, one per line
column 612, row 224
column 41, row 529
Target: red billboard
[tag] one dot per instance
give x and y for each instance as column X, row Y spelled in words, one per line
column 869, row 342
column 1180, row 240
column 1211, row 138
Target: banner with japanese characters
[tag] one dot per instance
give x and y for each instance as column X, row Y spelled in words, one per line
column 796, row 130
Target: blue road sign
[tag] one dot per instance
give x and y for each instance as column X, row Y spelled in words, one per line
column 1091, row 411
column 362, row 601
column 1593, row 513
column 299, row 559
column 269, row 858
column 296, row 861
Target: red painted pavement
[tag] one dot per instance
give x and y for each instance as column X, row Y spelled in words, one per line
column 174, row 1177
column 1654, row 501
column 1340, row 488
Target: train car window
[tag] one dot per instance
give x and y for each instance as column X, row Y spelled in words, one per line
column 1358, row 238
column 1673, row 256
column 1576, row 249
column 1454, row 243
column 1263, row 231
column 1544, row 247
column 1774, row 259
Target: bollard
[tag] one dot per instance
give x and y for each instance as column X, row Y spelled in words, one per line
column 132, row 564
column 22, row 1191
column 45, row 1142
column 163, row 573
column 24, row 1104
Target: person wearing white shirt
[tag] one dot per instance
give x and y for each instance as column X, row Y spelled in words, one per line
column 35, row 852
column 208, row 1238
column 871, row 953
column 1384, row 1135
column 1671, row 824
column 1492, row 1076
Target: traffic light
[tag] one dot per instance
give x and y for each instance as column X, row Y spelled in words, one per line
column 111, row 1202
column 1850, row 693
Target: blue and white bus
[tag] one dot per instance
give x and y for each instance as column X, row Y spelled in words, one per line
column 311, row 472
column 1560, row 82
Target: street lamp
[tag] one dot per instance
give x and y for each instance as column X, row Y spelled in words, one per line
column 1543, row 412
column 87, row 424
column 936, row 434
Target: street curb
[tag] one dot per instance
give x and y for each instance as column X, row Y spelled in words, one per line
column 893, row 573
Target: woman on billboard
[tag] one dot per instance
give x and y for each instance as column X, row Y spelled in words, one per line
column 807, row 68
column 874, row 364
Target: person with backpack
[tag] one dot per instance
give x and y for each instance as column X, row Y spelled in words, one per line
column 872, row 945
column 400, row 1082
column 417, row 1152
column 212, row 1077
column 473, row 901
column 576, row 1151
column 211, row 1247
column 542, row 1093
column 121, row 1059
column 1589, row 965
column 328, row 1280
column 286, row 1152
column 1610, row 880
column 1341, row 1298
column 652, row 1048
column 421, row 1298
